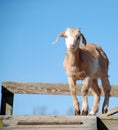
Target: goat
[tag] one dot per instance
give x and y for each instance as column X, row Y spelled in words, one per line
column 86, row 62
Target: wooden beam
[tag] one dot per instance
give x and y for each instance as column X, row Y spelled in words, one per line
column 6, row 102
column 47, row 88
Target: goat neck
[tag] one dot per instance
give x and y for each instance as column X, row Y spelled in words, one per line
column 73, row 57
column 72, row 65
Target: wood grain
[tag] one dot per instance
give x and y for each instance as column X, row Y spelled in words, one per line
column 47, row 88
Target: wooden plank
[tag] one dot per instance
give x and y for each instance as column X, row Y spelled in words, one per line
column 49, row 123
column 108, row 123
column 46, row 88
column 36, row 88
column 58, row 123
column 110, row 112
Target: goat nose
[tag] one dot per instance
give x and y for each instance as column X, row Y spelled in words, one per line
column 71, row 46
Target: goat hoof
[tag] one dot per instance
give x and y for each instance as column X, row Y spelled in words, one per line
column 105, row 111
column 91, row 114
column 84, row 113
column 77, row 113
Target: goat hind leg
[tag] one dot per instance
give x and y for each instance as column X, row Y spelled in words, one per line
column 84, row 91
column 72, row 85
column 107, row 88
column 96, row 93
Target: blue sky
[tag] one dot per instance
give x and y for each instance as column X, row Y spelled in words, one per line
column 27, row 30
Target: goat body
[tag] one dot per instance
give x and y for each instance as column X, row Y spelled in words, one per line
column 86, row 62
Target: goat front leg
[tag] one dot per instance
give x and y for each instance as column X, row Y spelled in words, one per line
column 72, row 86
column 84, row 91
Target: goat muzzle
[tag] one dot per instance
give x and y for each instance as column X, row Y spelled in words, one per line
column 71, row 46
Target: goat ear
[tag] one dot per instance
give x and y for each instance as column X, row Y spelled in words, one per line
column 62, row 34
column 83, row 39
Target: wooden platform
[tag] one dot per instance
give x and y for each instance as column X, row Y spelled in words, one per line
column 58, row 123
column 48, row 123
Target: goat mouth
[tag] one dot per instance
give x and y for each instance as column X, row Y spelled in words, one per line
column 73, row 49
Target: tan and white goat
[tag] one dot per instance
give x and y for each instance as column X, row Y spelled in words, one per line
column 86, row 62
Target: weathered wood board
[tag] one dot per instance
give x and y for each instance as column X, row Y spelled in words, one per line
column 107, row 123
column 46, row 88
column 58, row 123
column 49, row 123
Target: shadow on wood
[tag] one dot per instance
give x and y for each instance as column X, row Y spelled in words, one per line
column 101, row 125
column 6, row 102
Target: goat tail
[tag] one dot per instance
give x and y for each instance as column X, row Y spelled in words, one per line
column 103, row 54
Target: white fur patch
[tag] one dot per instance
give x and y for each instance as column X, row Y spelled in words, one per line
column 71, row 40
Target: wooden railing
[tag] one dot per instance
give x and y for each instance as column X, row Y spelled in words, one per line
column 11, row 88
column 99, row 122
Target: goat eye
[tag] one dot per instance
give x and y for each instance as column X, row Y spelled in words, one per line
column 65, row 36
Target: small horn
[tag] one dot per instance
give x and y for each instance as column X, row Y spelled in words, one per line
column 83, row 39
column 60, row 35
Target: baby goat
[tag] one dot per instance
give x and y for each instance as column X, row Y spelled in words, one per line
column 86, row 62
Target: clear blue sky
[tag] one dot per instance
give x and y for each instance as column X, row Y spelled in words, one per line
column 27, row 30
